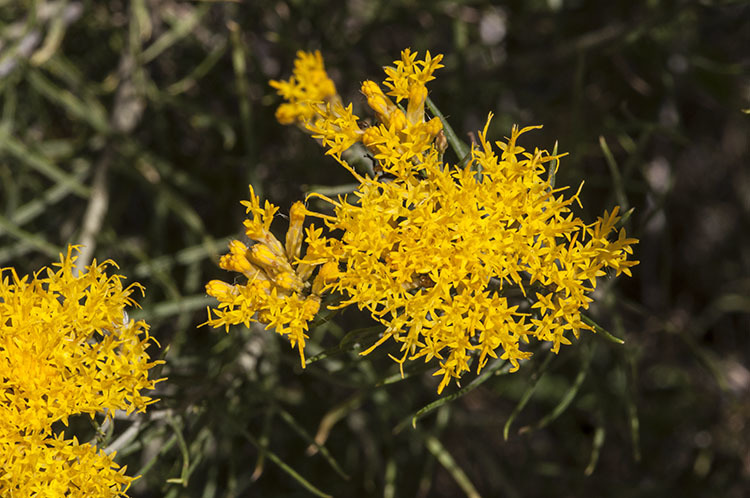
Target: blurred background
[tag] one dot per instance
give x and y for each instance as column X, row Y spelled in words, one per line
column 134, row 127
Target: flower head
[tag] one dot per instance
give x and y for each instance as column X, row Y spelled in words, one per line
column 445, row 257
column 308, row 88
column 276, row 291
column 66, row 348
column 457, row 261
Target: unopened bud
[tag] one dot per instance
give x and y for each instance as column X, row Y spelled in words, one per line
column 441, row 143
column 295, row 232
column 221, row 290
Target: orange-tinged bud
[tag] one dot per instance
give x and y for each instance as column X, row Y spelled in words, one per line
column 288, row 281
column 435, row 126
column 441, row 142
column 236, row 260
column 262, row 256
column 377, row 100
column 415, row 109
column 257, row 232
column 237, row 247
column 311, row 306
column 370, row 88
column 221, row 290
column 328, row 273
column 295, row 232
column 397, row 120
column 304, row 271
column 371, row 137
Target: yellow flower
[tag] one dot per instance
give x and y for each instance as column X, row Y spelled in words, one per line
column 308, row 88
column 277, row 292
column 66, row 348
column 458, row 262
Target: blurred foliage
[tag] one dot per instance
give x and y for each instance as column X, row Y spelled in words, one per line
column 135, row 126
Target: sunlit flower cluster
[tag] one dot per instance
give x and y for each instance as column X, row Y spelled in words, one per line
column 277, row 291
column 459, row 263
column 66, row 348
column 307, row 89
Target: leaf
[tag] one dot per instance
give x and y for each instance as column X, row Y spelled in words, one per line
column 442, row 455
column 570, row 395
column 535, row 378
column 498, row 367
column 602, row 331
column 353, row 340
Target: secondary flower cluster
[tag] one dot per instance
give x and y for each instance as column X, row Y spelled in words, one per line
column 276, row 293
column 457, row 262
column 309, row 87
column 66, row 348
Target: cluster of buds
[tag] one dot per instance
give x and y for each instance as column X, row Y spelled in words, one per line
column 278, row 292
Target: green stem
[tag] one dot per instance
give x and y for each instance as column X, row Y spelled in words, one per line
column 462, row 150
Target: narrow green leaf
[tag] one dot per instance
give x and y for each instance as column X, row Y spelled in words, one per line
column 179, row 306
column 46, row 200
column 287, row 417
column 614, row 170
column 329, row 190
column 163, row 449
column 176, row 426
column 535, row 378
column 29, row 238
column 199, row 71
column 182, row 208
column 442, row 455
column 567, row 399
column 410, row 371
column 91, row 112
column 625, row 217
column 25, row 155
column 55, row 35
column 632, row 407
column 337, row 413
column 239, row 57
column 552, row 171
column 282, row 465
column 264, row 440
column 141, row 19
column 187, row 256
column 599, row 436
column 497, row 367
column 391, row 470
column 181, row 28
column 601, row 330
column 351, row 341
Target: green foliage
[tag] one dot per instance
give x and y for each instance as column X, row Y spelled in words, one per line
column 135, row 127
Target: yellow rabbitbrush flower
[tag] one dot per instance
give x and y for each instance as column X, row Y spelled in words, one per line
column 399, row 134
column 309, row 87
column 458, row 262
column 437, row 255
column 276, row 292
column 66, row 348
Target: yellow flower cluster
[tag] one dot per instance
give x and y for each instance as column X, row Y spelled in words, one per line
column 66, row 348
column 277, row 291
column 458, row 262
column 308, row 88
column 402, row 134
